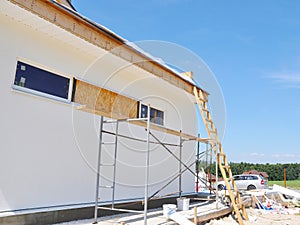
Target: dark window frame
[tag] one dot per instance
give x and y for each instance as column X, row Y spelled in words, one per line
column 156, row 115
column 39, row 81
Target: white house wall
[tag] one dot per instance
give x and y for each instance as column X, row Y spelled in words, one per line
column 49, row 148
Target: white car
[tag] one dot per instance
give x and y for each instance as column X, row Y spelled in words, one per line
column 246, row 182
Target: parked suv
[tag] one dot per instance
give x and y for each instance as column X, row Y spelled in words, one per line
column 246, row 182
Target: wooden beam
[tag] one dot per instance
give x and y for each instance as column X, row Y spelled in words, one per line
column 214, row 215
column 102, row 38
column 170, row 131
column 195, row 215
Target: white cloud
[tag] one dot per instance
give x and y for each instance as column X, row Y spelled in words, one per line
column 286, row 155
column 286, row 79
column 257, row 154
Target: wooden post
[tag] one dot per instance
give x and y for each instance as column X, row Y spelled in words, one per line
column 278, row 198
column 257, row 202
column 284, row 177
column 244, row 212
column 195, row 215
column 253, row 201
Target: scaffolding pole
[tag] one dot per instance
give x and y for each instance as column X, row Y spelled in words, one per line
column 210, row 168
column 115, row 165
column 197, row 164
column 177, row 158
column 180, row 166
column 147, row 167
column 147, row 164
column 98, row 170
column 217, row 181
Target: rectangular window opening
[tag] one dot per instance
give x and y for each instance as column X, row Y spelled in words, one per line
column 29, row 78
column 156, row 116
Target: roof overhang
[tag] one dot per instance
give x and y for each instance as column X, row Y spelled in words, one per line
column 101, row 37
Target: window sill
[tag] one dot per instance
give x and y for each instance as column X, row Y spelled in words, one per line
column 40, row 94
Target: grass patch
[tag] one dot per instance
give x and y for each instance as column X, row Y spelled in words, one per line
column 292, row 184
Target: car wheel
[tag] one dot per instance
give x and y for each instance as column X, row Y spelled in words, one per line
column 251, row 187
column 220, row 187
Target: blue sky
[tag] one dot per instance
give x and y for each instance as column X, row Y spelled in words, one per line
column 252, row 47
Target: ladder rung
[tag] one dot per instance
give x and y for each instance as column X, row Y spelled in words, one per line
column 105, row 186
column 213, row 136
column 222, row 154
column 204, row 109
column 102, row 164
column 210, row 121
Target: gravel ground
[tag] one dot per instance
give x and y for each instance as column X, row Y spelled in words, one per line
column 256, row 217
column 264, row 217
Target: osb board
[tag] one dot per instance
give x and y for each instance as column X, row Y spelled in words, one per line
column 104, row 102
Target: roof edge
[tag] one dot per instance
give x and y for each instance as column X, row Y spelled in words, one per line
column 98, row 35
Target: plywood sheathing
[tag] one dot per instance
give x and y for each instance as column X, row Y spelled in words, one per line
column 100, row 37
column 107, row 103
column 104, row 102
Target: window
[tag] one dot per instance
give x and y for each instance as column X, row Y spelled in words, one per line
column 254, row 178
column 41, row 82
column 238, row 178
column 156, row 116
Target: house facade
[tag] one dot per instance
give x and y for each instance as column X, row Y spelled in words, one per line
column 60, row 74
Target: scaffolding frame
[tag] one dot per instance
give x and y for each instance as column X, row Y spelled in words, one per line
column 148, row 124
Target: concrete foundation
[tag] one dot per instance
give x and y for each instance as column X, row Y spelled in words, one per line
column 65, row 215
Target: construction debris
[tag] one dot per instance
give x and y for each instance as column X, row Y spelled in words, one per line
column 264, row 207
column 260, row 217
column 285, row 191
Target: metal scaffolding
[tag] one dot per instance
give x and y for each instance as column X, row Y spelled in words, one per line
column 182, row 166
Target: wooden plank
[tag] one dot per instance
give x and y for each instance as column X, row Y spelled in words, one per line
column 214, row 215
column 170, row 131
column 244, row 212
column 195, row 215
column 144, row 124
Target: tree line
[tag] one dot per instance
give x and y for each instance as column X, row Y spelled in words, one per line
column 275, row 171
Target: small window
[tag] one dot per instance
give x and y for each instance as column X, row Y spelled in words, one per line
column 237, row 178
column 29, row 77
column 156, row 116
column 144, row 111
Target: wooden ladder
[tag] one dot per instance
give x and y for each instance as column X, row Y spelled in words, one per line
column 202, row 100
